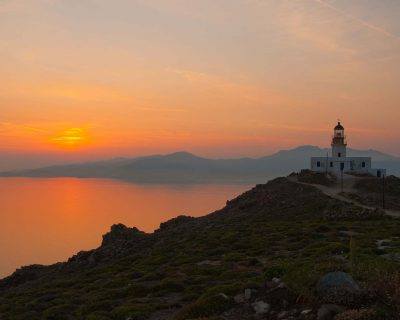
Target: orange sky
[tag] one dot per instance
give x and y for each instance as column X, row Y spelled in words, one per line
column 95, row 78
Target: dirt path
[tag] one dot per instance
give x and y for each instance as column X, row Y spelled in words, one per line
column 348, row 186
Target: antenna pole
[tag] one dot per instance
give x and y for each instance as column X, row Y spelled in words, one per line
column 383, row 192
column 341, row 180
column 326, row 164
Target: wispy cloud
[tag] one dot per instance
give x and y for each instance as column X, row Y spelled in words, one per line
column 312, row 26
column 13, row 127
column 237, row 89
column 360, row 21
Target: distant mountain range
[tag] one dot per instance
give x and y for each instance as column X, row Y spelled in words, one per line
column 184, row 167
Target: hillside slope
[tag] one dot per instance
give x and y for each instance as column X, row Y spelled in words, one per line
column 200, row 267
column 183, row 167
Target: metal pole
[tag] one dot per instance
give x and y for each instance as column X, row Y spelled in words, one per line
column 383, row 192
column 341, row 179
column 326, row 165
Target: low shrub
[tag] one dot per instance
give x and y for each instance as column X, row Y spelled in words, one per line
column 205, row 306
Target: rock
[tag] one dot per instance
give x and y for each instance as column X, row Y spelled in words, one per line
column 224, row 296
column 276, row 280
column 307, row 315
column 261, row 307
column 306, row 312
column 239, row 298
column 119, row 233
column 391, row 257
column 209, row 263
column 247, row 294
column 383, row 244
column 282, row 315
column 329, row 311
column 278, row 294
column 338, row 288
column 176, row 223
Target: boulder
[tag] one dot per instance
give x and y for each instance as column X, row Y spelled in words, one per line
column 261, row 307
column 329, row 311
column 239, row 298
column 338, row 288
column 278, row 294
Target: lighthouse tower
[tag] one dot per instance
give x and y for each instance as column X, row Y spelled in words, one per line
column 339, row 143
column 339, row 162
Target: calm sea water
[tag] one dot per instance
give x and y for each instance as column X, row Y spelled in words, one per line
column 48, row 220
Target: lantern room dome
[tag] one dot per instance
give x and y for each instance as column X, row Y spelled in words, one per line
column 339, row 126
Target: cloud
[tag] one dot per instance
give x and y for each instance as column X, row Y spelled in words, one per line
column 315, row 27
column 362, row 22
column 14, row 127
column 255, row 94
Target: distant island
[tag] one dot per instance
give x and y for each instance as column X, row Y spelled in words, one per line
column 293, row 248
column 184, row 167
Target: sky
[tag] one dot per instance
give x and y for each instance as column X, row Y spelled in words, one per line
column 94, row 79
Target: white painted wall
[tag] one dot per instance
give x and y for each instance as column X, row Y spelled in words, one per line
column 350, row 164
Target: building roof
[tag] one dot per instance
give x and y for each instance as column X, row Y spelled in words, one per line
column 339, row 126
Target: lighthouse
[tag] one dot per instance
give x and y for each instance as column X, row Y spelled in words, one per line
column 339, row 143
column 339, row 162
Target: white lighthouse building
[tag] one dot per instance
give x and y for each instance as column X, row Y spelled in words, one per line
column 338, row 161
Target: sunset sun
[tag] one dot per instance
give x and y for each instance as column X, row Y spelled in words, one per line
column 71, row 137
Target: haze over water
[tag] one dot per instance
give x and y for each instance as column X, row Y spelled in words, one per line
column 48, row 220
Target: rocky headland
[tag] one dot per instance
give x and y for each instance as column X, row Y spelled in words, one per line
column 282, row 250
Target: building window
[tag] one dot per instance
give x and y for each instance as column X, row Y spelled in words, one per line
column 318, row 164
column 339, row 155
column 363, row 164
column 331, row 164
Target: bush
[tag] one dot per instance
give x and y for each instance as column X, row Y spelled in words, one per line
column 169, row 286
column 275, row 272
column 362, row 314
column 57, row 313
column 205, row 306
column 136, row 312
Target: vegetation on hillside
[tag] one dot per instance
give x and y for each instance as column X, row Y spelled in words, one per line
column 369, row 191
column 272, row 244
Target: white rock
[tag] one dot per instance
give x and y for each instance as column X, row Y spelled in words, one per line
column 261, row 307
column 239, row 298
column 247, row 294
column 223, row 295
column 282, row 314
column 306, row 312
column 276, row 280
